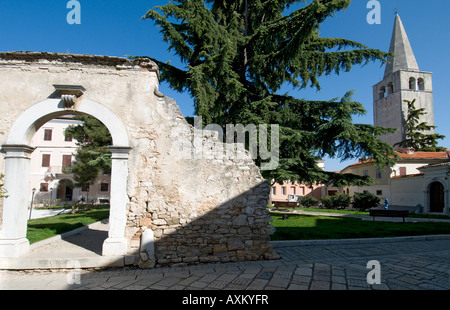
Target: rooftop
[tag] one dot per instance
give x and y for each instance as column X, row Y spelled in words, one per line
column 96, row 60
column 411, row 156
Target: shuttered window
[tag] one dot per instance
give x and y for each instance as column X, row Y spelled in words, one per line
column 46, row 160
column 48, row 134
column 67, row 161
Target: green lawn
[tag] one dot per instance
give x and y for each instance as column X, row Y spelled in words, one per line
column 297, row 227
column 43, row 228
column 309, row 227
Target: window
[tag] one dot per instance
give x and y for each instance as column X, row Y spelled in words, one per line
column 274, row 190
column 85, row 188
column 48, row 134
column 293, row 191
column 421, row 84
column 46, row 160
column 44, row 187
column 66, row 161
column 382, row 92
column 378, row 173
column 67, row 139
column 390, row 88
column 412, row 83
column 283, row 190
column 379, row 192
column 104, row 187
column 402, row 171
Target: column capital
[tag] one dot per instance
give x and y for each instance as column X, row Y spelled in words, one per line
column 17, row 150
column 119, row 152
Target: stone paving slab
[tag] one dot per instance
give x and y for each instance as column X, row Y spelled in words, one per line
column 412, row 264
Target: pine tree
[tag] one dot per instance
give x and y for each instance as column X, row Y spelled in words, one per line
column 238, row 54
column 415, row 136
column 93, row 157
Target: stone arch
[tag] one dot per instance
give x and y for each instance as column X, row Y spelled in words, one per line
column 17, row 149
column 34, row 117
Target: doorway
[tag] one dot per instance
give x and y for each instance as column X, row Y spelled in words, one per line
column 65, row 190
column 437, row 201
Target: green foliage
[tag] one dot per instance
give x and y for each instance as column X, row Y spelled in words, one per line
column 239, row 54
column 414, row 132
column 3, row 191
column 308, row 201
column 337, row 201
column 93, row 157
column 364, row 201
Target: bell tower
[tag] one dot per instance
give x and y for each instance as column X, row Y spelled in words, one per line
column 402, row 81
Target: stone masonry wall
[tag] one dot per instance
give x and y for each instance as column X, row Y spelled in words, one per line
column 190, row 199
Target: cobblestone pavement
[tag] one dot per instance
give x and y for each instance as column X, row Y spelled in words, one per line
column 413, row 264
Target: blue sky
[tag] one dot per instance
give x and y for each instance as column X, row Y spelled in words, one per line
column 115, row 28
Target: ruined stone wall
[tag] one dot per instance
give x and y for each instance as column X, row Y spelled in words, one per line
column 201, row 201
column 213, row 209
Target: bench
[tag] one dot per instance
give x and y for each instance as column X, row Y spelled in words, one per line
column 285, row 204
column 388, row 213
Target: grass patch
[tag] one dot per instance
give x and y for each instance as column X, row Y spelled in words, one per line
column 310, row 227
column 43, row 228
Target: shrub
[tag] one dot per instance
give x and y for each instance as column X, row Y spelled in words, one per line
column 308, row 201
column 365, row 201
column 338, row 201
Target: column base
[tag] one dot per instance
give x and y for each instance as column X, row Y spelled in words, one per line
column 115, row 246
column 14, row 248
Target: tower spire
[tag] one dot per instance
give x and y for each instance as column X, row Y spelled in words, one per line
column 404, row 57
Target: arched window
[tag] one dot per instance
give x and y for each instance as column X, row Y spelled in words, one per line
column 382, row 92
column 421, row 84
column 390, row 89
column 412, row 84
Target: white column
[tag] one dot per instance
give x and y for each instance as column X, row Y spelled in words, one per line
column 117, row 243
column 13, row 241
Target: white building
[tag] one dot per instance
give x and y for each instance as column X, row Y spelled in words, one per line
column 417, row 179
column 54, row 152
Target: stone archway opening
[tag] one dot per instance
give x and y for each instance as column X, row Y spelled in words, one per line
column 437, row 200
column 17, row 156
column 61, row 183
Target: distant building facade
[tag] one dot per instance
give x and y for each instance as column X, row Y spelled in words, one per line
column 290, row 191
column 407, row 183
column 53, row 155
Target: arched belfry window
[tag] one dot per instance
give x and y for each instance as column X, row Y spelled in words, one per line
column 412, row 84
column 421, row 84
column 389, row 89
column 382, row 92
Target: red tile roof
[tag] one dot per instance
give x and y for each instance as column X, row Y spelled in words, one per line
column 424, row 155
column 415, row 155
